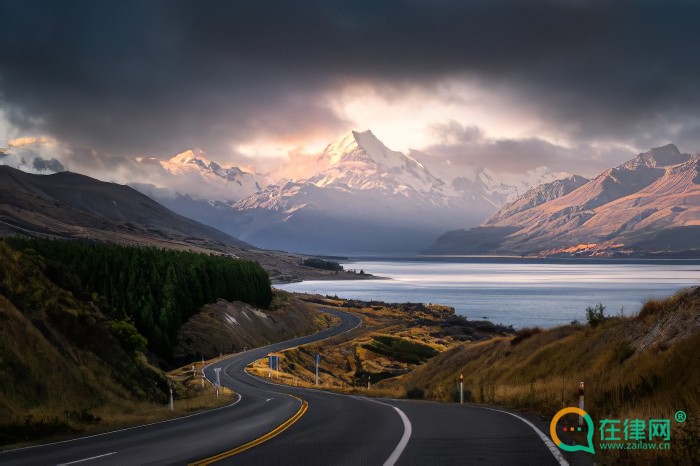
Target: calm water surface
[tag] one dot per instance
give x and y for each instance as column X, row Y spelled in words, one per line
column 514, row 292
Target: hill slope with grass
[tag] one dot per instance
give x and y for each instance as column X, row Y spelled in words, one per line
column 641, row 367
column 64, row 362
column 86, row 327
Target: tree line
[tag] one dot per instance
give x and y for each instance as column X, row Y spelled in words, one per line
column 156, row 289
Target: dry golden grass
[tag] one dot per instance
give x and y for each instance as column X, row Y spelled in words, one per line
column 643, row 367
column 118, row 411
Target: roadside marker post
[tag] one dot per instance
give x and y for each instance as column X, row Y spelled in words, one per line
column 217, row 370
column 317, row 358
column 172, row 403
column 202, row 371
column 580, row 402
column 461, row 388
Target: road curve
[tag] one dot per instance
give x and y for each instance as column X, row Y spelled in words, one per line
column 260, row 409
column 334, row 429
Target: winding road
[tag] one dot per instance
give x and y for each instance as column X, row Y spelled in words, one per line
column 278, row 425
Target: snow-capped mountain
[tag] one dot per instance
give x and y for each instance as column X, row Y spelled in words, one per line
column 359, row 162
column 360, row 196
column 216, row 182
column 474, row 182
column 650, row 205
column 360, row 186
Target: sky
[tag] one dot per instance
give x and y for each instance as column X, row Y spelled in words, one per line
column 575, row 85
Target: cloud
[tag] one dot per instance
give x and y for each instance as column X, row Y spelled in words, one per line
column 51, row 165
column 468, row 146
column 117, row 80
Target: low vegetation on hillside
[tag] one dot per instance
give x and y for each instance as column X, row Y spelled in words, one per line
column 227, row 327
column 393, row 340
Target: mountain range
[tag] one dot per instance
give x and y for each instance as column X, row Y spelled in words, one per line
column 360, row 197
column 648, row 205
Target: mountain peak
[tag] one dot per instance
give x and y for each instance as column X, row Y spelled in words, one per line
column 189, row 157
column 668, row 155
column 350, row 143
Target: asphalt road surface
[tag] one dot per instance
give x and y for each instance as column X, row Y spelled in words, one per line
column 313, row 428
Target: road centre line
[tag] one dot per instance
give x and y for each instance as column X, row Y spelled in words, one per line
column 87, row 459
column 263, row 438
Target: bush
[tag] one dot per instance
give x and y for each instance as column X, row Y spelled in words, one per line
column 415, row 393
column 595, row 315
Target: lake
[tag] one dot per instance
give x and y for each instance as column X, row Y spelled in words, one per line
column 518, row 292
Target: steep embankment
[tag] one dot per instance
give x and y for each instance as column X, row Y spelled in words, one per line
column 228, row 327
column 63, row 360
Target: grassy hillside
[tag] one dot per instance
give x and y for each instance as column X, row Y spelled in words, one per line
column 227, row 327
column 63, row 360
column 82, row 326
column 642, row 367
column 393, row 340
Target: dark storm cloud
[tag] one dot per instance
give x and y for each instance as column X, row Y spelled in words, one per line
column 155, row 77
column 468, row 146
column 51, row 165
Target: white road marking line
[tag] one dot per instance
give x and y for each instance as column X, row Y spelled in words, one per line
column 122, row 430
column 269, row 399
column 407, row 430
column 553, row 449
column 87, row 459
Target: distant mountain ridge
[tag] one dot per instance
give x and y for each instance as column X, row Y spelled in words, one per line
column 648, row 205
column 69, row 205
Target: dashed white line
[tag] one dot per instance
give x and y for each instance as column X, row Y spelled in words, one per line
column 87, row 459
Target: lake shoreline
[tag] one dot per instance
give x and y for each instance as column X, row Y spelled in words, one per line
column 519, row 292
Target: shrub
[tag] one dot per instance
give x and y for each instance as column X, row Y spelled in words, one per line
column 595, row 315
column 415, row 393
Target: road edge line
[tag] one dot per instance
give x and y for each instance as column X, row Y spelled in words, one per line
column 124, row 429
column 407, row 431
column 553, row 449
column 263, row 438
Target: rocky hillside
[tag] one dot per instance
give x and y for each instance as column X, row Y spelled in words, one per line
column 647, row 206
column 228, row 327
